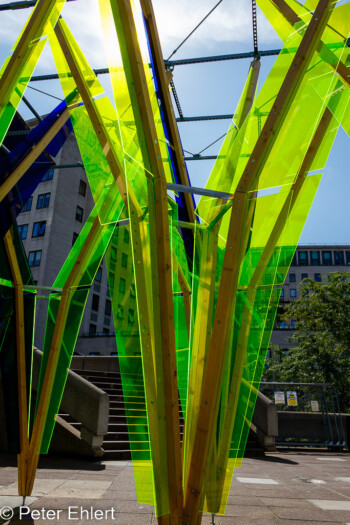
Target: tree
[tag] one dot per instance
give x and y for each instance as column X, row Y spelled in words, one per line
column 321, row 341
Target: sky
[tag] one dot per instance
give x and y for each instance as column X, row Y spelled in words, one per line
column 203, row 89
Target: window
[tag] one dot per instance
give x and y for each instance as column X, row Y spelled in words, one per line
column 23, row 230
column 79, row 212
column 98, row 276
column 338, row 258
column 293, row 292
column 315, row 258
column 124, row 260
column 327, row 258
column 293, row 324
column 126, row 236
column 282, row 325
column 108, row 307
column 303, row 258
column 48, row 175
column 318, row 277
column 120, row 313
column 34, row 258
column 304, row 276
column 106, row 331
column 82, row 188
column 95, row 302
column 92, row 331
column 75, row 236
column 282, row 293
column 43, row 201
column 122, row 284
column 39, row 229
column 347, row 254
column 132, row 290
column 131, row 316
column 292, row 278
column 113, row 254
column 28, row 205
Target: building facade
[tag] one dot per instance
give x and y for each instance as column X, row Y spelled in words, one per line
column 51, row 221
column 310, row 261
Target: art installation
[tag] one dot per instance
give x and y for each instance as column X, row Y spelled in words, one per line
column 205, row 277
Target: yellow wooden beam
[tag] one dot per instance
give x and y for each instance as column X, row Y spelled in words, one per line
column 21, row 361
column 34, row 153
column 161, row 256
column 265, row 257
column 327, row 54
column 163, row 84
column 139, row 235
column 30, row 36
column 233, row 255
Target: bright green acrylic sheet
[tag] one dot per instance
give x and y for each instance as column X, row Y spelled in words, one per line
column 333, row 49
column 20, row 76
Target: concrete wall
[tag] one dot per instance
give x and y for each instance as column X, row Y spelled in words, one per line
column 308, row 425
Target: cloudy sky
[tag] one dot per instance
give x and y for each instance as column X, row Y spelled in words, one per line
column 206, row 89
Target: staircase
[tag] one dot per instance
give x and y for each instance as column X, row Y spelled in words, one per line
column 116, row 441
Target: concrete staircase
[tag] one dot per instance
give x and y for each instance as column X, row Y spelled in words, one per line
column 116, row 441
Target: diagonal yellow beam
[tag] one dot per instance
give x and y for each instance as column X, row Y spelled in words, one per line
column 265, row 257
column 160, row 253
column 163, row 84
column 36, row 150
column 233, row 255
column 322, row 49
column 24, row 48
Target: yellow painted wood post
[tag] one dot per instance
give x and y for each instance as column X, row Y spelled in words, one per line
column 327, row 54
column 21, row 362
column 139, row 242
column 24, row 48
column 287, row 208
column 161, row 254
column 233, row 254
column 36, row 150
column 163, row 84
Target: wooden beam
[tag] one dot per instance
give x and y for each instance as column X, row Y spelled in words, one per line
column 24, row 48
column 33, row 154
column 21, row 362
column 163, row 83
column 233, row 255
column 265, row 257
column 323, row 50
column 161, row 253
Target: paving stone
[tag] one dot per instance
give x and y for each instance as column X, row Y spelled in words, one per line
column 314, row 515
column 258, row 481
column 331, row 504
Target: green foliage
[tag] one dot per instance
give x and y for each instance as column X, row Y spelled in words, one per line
column 321, row 341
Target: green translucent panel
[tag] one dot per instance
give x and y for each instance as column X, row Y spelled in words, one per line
column 95, row 163
column 226, row 163
column 123, row 86
column 22, row 74
column 7, row 111
column 334, row 38
column 125, row 316
column 74, row 314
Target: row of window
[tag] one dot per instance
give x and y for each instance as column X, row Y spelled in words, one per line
column 321, row 258
column 43, row 201
column 38, row 229
column 317, row 277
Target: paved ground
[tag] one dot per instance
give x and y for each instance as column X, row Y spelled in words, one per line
column 282, row 488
